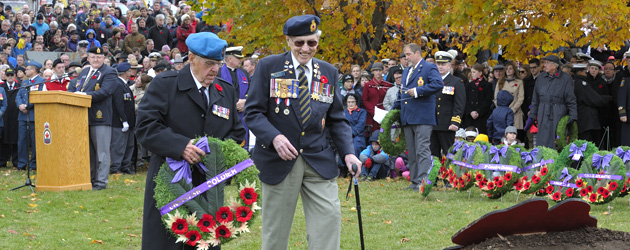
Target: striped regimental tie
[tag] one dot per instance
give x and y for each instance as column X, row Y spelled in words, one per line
column 305, row 101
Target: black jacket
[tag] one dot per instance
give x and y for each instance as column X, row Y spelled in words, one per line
column 100, row 86
column 161, row 36
column 588, row 103
column 124, row 106
column 478, row 98
column 450, row 103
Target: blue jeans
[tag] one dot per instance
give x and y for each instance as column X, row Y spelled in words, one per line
column 373, row 171
column 23, row 145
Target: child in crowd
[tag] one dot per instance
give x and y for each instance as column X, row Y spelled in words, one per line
column 501, row 117
column 373, row 159
column 510, row 137
column 460, row 135
column 471, row 133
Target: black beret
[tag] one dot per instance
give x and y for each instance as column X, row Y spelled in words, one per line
column 301, row 25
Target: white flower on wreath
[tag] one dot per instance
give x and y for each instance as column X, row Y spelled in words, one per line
column 192, row 219
column 173, row 217
column 181, row 238
column 243, row 228
column 255, row 207
column 203, row 244
column 234, row 204
column 247, row 185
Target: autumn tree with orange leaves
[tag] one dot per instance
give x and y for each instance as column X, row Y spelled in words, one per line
column 360, row 31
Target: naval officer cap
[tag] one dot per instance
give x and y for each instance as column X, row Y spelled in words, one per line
column 595, row 63
column 33, row 63
column 579, row 66
column 235, row 51
column 301, row 25
column 443, row 57
column 207, row 44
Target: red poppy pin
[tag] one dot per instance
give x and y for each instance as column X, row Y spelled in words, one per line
column 139, row 40
column 480, row 89
column 160, row 32
column 516, row 85
column 93, row 77
column 600, row 86
column 324, row 79
column 219, row 88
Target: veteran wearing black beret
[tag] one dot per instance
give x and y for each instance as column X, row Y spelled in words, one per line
column 294, row 101
column 178, row 108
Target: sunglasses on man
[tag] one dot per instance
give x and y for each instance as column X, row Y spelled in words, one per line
column 310, row 43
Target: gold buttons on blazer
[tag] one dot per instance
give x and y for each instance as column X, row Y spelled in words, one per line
column 301, row 151
column 302, row 133
column 405, row 102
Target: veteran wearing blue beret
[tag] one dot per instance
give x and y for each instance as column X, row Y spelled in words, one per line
column 293, row 102
column 123, row 122
column 176, row 108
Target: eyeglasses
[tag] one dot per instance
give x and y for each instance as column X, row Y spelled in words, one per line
column 208, row 62
column 310, row 43
column 399, row 77
column 522, row 71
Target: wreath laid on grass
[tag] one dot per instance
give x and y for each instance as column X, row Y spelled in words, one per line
column 624, row 153
column 460, row 171
column 537, row 168
column 562, row 185
column 196, row 215
column 426, row 186
column 573, row 154
column 561, row 132
column 499, row 171
column 391, row 122
column 600, row 177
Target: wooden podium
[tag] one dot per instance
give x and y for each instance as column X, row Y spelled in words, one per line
column 62, row 140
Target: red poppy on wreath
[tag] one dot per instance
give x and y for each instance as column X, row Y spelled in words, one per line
column 535, row 179
column 525, row 178
column 569, row 192
column 324, row 79
column 499, row 184
column 206, row 223
column 583, row 192
column 192, row 236
column 543, row 171
column 549, row 189
column 527, row 185
column 589, row 189
column 507, row 177
column 224, row 215
column 579, row 182
column 496, row 178
column 491, row 185
column 605, row 193
column 556, row 196
column 593, row 198
column 478, row 177
column 613, row 186
column 249, row 195
column 600, row 190
column 180, row 226
column 462, row 183
column 519, row 186
column 222, row 231
column 219, row 88
column 243, row 214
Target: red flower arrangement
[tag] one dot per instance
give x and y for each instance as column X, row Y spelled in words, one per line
column 556, row 196
column 583, row 192
column 243, row 214
column 180, row 226
column 589, row 189
column 569, row 192
column 478, row 177
column 544, row 170
column 593, row 197
column 491, row 185
column 224, row 215
column 579, row 182
column 613, row 186
column 499, row 184
column 549, row 189
column 206, row 224
column 222, row 231
column 507, row 177
column 527, row 185
column 249, row 196
column 600, row 190
column 324, row 79
column 519, row 186
column 192, row 236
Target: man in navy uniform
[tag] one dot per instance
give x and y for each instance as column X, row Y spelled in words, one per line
column 450, row 106
column 27, row 114
column 123, row 122
column 293, row 103
column 231, row 72
column 9, row 135
column 98, row 81
column 421, row 81
column 175, row 110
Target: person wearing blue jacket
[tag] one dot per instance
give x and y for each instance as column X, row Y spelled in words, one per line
column 501, row 117
column 27, row 115
column 91, row 38
column 356, row 116
column 373, row 158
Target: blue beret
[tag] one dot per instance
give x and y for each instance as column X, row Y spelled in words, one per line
column 123, row 67
column 33, row 63
column 301, row 25
column 207, row 44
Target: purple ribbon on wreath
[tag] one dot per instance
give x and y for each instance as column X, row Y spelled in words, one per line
column 529, row 156
column 457, row 146
column 600, row 161
column 483, row 148
column 497, row 153
column 624, row 155
column 469, row 150
column 431, row 168
column 183, row 168
column 565, row 177
column 575, row 150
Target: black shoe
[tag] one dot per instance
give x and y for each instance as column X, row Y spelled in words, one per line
column 114, row 172
column 98, row 188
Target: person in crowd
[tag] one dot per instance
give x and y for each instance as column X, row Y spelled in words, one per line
column 502, row 117
column 159, row 114
column 451, row 102
column 623, row 102
column 374, row 94
column 159, row 34
column 528, row 86
column 392, row 93
column 597, row 82
column 26, row 116
column 143, row 28
column 134, row 40
column 249, row 65
column 123, row 123
column 498, row 72
column 172, row 26
column 98, row 81
column 479, row 95
column 512, row 83
column 374, row 159
column 588, row 101
column 471, row 133
column 420, row 82
column 356, row 116
column 9, row 135
column 58, row 81
column 553, row 98
column 293, row 160
column 178, row 64
column 182, row 33
column 40, row 26
column 510, row 137
column 91, row 38
column 355, row 71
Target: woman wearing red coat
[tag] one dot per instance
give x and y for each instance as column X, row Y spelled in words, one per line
column 182, row 33
column 373, row 95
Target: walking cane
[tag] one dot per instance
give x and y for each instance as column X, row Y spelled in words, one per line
column 356, row 191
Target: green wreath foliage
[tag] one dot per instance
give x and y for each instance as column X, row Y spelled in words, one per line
column 461, row 178
column 601, row 191
column 534, row 179
column 425, row 187
column 497, row 183
column 626, row 185
column 233, row 153
column 518, row 148
column 390, row 147
column 564, row 160
column 561, row 132
column 560, row 193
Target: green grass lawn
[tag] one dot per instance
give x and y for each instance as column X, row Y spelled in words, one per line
column 112, row 219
